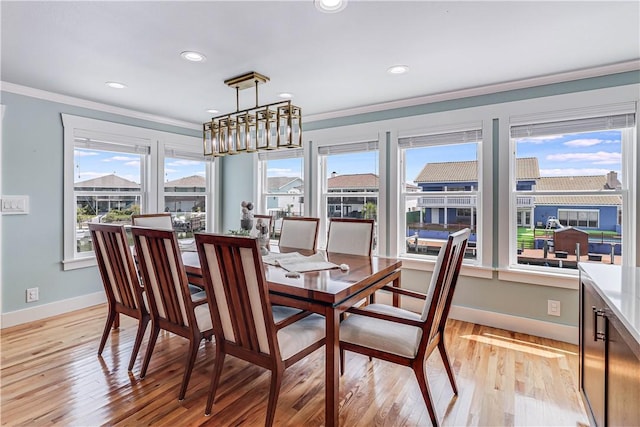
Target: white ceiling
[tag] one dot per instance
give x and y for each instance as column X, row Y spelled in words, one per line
column 330, row 62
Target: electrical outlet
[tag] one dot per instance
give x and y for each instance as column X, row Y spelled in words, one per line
column 32, row 294
column 553, row 307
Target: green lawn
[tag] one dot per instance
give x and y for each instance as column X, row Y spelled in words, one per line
column 526, row 236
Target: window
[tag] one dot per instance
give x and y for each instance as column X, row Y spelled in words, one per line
column 571, row 190
column 113, row 171
column 186, row 189
column 281, row 185
column 440, row 190
column 350, row 183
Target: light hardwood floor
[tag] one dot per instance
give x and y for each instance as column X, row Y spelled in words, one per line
column 51, row 375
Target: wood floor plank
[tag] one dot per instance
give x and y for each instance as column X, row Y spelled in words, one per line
column 51, row 375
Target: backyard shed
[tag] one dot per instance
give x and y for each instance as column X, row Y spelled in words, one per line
column 565, row 239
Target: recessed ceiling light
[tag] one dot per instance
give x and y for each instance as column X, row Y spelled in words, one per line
column 398, row 69
column 193, row 56
column 330, row 6
column 212, row 111
column 116, row 85
column 285, row 95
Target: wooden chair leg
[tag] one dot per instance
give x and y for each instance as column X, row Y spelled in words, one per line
column 341, row 362
column 217, row 372
column 107, row 329
column 447, row 365
column 116, row 324
column 419, row 367
column 152, row 343
column 274, row 392
column 142, row 327
column 191, row 360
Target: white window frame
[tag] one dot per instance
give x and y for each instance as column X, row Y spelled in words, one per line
column 152, row 170
column 262, row 184
column 323, row 174
column 566, row 278
column 578, row 211
column 441, row 135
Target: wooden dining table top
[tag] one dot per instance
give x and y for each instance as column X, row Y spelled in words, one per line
column 330, row 286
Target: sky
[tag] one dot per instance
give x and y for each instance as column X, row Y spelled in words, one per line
column 592, row 153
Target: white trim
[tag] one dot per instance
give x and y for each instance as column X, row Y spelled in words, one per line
column 543, row 278
column 78, row 102
column 538, row 328
column 43, row 311
column 483, row 90
column 508, row 322
column 417, row 263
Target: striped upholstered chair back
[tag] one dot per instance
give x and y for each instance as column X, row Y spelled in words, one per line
column 120, row 280
column 245, row 323
column 173, row 308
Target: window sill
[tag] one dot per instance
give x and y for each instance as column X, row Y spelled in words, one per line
column 568, row 280
column 467, row 270
column 73, row 264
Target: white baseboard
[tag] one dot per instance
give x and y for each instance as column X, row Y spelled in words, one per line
column 538, row 328
column 43, row 311
column 534, row 327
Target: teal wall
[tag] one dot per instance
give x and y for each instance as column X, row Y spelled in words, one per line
column 32, row 245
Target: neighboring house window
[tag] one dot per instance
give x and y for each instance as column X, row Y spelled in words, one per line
column 571, row 184
column 187, row 192
column 112, row 171
column 350, row 183
column 440, row 190
column 281, row 185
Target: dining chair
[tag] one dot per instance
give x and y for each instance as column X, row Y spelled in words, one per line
column 404, row 337
column 120, row 280
column 172, row 306
column 160, row 220
column 299, row 232
column 350, row 236
column 244, row 322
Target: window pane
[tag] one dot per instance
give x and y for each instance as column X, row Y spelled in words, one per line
column 185, row 183
column 351, row 185
column 107, row 190
column 282, row 190
column 581, row 175
column 451, row 172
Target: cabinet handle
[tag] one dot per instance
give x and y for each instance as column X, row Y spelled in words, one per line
column 598, row 313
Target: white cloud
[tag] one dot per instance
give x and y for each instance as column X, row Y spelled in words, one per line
column 599, row 158
column 272, row 172
column 182, row 162
column 170, row 170
column 120, row 159
column 583, row 142
column 539, row 139
column 83, row 153
column 573, row 172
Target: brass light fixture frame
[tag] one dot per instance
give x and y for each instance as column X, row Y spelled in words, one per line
column 263, row 127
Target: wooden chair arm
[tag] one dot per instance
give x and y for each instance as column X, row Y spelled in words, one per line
column 405, row 292
column 199, row 301
column 388, row 317
column 292, row 319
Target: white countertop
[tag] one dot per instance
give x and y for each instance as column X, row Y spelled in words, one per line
column 620, row 288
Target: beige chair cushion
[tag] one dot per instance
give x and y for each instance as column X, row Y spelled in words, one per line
column 298, row 234
column 300, row 334
column 203, row 317
column 380, row 334
column 281, row 312
column 350, row 238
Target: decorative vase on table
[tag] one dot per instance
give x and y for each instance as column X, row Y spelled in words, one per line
column 246, row 220
column 262, row 228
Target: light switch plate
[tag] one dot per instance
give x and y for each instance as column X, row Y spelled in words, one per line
column 14, row 205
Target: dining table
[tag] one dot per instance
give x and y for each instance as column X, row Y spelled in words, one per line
column 329, row 292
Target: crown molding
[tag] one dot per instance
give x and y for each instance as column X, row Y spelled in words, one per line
column 621, row 67
column 79, row 102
